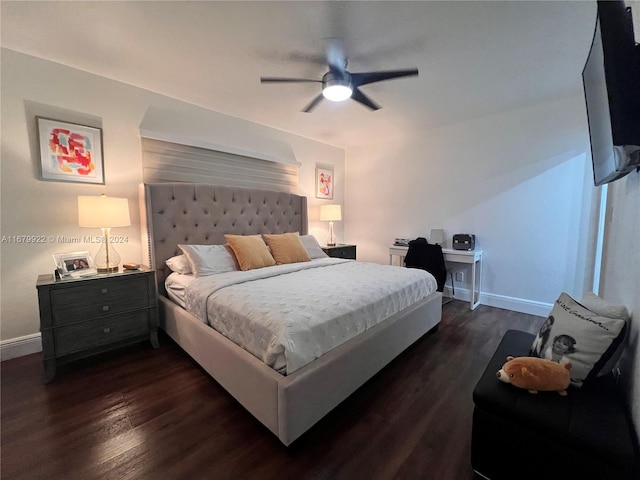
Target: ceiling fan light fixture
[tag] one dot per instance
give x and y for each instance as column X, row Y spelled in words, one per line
column 337, row 93
column 336, row 88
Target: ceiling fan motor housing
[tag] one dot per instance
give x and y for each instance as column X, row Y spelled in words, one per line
column 337, row 85
column 336, row 78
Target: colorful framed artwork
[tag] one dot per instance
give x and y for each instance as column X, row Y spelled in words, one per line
column 70, row 152
column 324, row 183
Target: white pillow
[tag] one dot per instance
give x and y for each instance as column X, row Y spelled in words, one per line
column 603, row 308
column 179, row 264
column 209, row 259
column 313, row 248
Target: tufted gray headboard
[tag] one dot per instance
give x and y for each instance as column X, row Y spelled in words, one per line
column 174, row 213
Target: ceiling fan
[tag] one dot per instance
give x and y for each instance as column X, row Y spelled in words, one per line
column 339, row 84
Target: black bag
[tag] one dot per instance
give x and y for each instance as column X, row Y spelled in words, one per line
column 423, row 255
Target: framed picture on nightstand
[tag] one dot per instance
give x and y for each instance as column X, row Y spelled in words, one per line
column 74, row 264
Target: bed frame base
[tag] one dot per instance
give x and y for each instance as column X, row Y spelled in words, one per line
column 276, row 400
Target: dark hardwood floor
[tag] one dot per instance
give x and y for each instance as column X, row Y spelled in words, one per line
column 140, row 413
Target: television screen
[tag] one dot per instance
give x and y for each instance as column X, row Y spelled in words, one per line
column 612, row 92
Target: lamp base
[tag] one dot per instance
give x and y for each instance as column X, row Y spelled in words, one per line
column 107, row 260
column 332, row 238
column 108, row 269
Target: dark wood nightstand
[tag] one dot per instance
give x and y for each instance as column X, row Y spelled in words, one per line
column 80, row 317
column 341, row 250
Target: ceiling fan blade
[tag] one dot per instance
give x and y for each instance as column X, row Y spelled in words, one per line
column 313, row 104
column 287, row 80
column 364, row 78
column 358, row 96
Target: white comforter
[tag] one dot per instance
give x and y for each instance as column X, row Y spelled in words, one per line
column 289, row 315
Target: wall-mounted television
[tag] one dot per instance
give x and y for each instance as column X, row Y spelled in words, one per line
column 611, row 80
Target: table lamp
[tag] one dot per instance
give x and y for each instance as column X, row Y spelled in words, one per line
column 437, row 236
column 104, row 212
column 330, row 213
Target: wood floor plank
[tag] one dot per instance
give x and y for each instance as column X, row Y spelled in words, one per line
column 140, row 413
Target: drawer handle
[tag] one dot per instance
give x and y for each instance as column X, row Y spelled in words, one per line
column 107, row 330
column 105, row 290
column 105, row 308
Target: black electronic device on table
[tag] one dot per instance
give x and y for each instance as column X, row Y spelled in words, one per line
column 464, row 241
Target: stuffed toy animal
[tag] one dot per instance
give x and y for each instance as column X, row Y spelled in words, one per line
column 536, row 374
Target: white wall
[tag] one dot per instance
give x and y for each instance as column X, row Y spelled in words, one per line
column 521, row 181
column 30, row 87
column 620, row 280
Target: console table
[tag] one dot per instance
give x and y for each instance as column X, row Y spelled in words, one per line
column 472, row 257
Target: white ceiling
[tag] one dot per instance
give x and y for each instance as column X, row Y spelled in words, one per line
column 475, row 58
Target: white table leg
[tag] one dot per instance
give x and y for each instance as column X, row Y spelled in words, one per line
column 475, row 283
column 473, row 286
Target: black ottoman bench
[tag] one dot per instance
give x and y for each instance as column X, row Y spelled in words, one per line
column 520, row 436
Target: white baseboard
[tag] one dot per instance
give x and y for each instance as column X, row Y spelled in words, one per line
column 20, row 346
column 521, row 305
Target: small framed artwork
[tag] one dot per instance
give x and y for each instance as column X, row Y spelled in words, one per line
column 75, row 264
column 70, row 152
column 324, row 183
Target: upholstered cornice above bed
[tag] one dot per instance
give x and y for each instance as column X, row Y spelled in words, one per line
column 164, row 161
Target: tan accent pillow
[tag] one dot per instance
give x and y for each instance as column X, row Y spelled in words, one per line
column 250, row 251
column 287, row 248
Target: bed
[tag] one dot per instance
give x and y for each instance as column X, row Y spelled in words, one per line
column 288, row 405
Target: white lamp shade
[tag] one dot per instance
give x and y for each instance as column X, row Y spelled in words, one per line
column 330, row 213
column 103, row 212
column 437, row 236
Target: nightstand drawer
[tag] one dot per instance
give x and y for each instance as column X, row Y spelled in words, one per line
column 98, row 293
column 109, row 306
column 78, row 337
column 341, row 251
